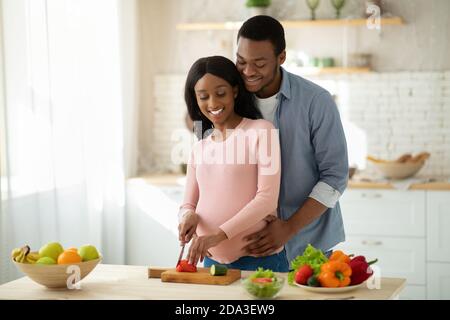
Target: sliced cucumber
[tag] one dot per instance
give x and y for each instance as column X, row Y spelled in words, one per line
column 218, row 270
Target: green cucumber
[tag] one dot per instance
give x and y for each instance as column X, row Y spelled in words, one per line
column 218, row 270
column 313, row 281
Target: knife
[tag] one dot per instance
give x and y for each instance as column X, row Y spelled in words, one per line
column 181, row 255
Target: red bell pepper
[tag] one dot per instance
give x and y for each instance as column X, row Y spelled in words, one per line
column 361, row 270
column 185, row 266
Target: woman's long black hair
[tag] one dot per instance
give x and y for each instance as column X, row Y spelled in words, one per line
column 244, row 103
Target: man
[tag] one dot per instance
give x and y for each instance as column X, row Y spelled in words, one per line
column 313, row 146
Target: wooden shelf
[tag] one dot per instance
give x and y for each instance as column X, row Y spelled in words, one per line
column 289, row 24
column 332, row 70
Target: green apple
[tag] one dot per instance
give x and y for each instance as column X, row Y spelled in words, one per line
column 88, row 252
column 51, row 250
column 45, row 260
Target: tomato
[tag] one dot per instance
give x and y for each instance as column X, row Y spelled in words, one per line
column 185, row 266
column 303, row 274
column 262, row 280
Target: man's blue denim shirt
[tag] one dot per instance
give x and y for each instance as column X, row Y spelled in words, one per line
column 313, row 149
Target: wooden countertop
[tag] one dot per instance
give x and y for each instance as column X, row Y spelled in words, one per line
column 431, row 186
column 178, row 180
column 131, row 282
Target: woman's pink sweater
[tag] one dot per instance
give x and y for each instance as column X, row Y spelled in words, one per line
column 234, row 184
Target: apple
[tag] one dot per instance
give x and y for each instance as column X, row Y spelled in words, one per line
column 45, row 260
column 88, row 252
column 51, row 250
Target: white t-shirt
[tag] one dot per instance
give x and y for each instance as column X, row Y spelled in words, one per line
column 267, row 107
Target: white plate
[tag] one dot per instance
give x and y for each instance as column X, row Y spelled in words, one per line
column 330, row 290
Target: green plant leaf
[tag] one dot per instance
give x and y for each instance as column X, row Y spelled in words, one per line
column 258, row 3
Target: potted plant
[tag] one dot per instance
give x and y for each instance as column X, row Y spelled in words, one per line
column 257, row 7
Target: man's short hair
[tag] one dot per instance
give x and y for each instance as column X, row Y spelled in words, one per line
column 260, row 28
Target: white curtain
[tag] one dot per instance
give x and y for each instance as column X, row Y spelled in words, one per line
column 69, row 118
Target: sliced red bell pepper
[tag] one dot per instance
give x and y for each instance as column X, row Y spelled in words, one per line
column 185, row 266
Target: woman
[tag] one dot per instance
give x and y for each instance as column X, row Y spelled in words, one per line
column 233, row 176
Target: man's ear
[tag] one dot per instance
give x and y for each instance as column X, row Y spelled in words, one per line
column 282, row 57
column 235, row 91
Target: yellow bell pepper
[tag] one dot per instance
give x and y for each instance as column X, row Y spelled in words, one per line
column 334, row 274
column 339, row 255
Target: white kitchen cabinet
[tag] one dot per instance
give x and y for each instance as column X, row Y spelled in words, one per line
column 152, row 221
column 397, row 257
column 411, row 292
column 384, row 212
column 438, row 281
column 407, row 231
column 438, row 226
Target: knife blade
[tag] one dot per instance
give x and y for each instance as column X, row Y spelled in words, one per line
column 181, row 255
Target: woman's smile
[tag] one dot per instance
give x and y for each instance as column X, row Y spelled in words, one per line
column 216, row 112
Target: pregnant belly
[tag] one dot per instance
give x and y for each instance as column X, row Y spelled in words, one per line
column 231, row 249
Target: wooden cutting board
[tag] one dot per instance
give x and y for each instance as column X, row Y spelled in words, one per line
column 202, row 276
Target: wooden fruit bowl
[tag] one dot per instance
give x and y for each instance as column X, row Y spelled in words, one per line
column 55, row 275
column 396, row 170
column 403, row 167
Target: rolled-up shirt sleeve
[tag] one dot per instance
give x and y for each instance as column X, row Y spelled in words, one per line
column 330, row 149
column 325, row 194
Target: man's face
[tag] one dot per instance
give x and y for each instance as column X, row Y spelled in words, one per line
column 259, row 66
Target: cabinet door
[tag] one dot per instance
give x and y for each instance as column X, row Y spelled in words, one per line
column 412, row 292
column 438, row 281
column 397, row 257
column 383, row 212
column 438, row 226
column 152, row 221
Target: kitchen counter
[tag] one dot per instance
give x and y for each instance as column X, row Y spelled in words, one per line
column 131, row 282
column 178, row 180
column 431, row 186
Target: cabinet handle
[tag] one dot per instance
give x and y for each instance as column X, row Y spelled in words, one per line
column 372, row 242
column 371, row 196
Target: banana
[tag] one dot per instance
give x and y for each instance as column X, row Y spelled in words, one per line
column 15, row 253
column 26, row 251
column 20, row 254
column 32, row 257
column 20, row 257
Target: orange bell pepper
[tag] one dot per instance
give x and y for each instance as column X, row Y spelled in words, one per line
column 339, row 255
column 334, row 274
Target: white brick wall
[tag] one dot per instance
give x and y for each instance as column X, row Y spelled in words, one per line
column 399, row 112
column 169, row 112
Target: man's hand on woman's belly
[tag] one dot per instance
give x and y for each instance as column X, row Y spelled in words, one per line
column 266, row 241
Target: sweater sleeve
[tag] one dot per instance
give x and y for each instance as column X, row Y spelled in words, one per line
column 191, row 193
column 265, row 201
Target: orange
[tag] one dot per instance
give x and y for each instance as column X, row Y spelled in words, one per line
column 73, row 249
column 68, row 257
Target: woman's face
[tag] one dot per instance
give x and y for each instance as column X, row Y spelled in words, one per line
column 215, row 97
